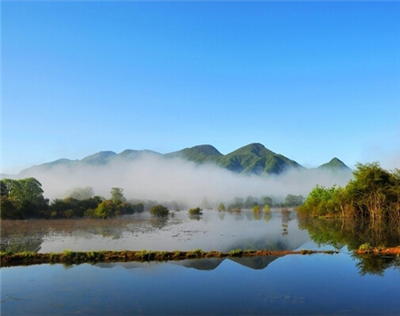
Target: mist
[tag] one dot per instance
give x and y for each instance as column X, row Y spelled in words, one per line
column 151, row 177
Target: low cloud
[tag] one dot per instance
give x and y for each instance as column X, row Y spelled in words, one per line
column 151, row 177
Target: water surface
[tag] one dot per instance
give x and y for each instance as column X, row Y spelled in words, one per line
column 319, row 284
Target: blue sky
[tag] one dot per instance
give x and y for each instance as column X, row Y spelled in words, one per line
column 309, row 80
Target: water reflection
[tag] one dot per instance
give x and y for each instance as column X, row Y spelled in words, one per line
column 290, row 285
column 213, row 230
column 351, row 233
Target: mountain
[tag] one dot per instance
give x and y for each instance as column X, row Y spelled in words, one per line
column 101, row 158
column 198, row 154
column 335, row 165
column 254, row 158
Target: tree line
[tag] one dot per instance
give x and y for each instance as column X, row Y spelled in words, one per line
column 23, row 199
column 374, row 193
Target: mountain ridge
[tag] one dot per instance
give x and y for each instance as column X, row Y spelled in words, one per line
column 253, row 158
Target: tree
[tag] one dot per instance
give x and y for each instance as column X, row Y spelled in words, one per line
column 159, row 211
column 196, row 211
column 221, row 207
column 24, row 197
column 249, row 203
column 117, row 196
column 81, row 194
column 267, row 200
column 372, row 190
column 105, row 209
column 293, row 200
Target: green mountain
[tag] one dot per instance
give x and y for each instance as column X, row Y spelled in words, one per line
column 250, row 159
column 130, row 154
column 256, row 159
column 334, row 165
column 198, row 154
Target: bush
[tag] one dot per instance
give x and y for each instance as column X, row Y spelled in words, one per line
column 159, row 211
column 196, row 211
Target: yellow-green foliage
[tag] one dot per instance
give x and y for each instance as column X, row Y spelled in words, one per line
column 374, row 192
column 196, row 211
column 159, row 211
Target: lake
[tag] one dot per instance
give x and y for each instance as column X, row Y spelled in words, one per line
column 338, row 284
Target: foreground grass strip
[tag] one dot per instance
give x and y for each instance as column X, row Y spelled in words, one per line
column 75, row 257
column 366, row 249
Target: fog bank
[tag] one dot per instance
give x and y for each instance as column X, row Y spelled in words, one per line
column 151, row 177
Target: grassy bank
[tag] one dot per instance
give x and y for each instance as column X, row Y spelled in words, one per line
column 73, row 257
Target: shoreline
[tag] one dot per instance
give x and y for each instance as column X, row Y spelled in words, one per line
column 79, row 257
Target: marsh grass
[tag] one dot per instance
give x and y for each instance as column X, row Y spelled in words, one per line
column 366, row 247
column 69, row 257
column 196, row 253
column 236, row 253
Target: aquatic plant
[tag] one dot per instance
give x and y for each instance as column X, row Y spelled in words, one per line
column 236, row 253
column 195, row 253
column 159, row 211
column 196, row 211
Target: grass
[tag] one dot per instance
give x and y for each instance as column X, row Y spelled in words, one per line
column 236, row 253
column 196, row 253
column 366, row 247
column 69, row 257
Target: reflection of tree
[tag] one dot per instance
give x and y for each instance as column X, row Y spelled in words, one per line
column 159, row 222
column 22, row 244
column 285, row 214
column 372, row 264
column 257, row 215
column 195, row 217
column 221, row 215
column 353, row 233
column 267, row 217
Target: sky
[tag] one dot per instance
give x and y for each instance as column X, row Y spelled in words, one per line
column 309, row 80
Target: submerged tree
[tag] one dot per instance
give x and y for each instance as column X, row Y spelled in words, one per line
column 159, row 211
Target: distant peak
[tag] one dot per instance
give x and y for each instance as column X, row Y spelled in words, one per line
column 334, row 159
column 335, row 163
column 255, row 148
column 206, row 149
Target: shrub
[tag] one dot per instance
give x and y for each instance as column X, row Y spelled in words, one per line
column 196, row 211
column 159, row 211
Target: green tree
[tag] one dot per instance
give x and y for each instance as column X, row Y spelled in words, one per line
column 117, row 196
column 24, row 198
column 159, row 211
column 267, row 200
column 249, row 203
column 293, row 200
column 105, row 209
column 221, row 207
column 196, row 211
column 372, row 190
